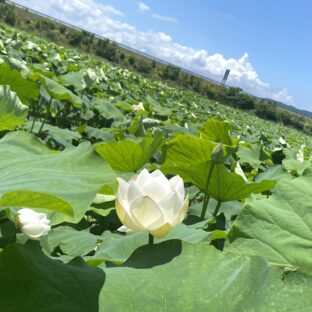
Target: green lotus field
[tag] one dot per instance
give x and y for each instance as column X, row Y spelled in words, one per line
column 118, row 193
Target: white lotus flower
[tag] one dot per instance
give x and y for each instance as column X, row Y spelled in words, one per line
column 150, row 202
column 33, row 224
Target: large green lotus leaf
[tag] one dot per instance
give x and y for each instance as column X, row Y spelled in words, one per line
column 31, row 199
column 59, row 92
column 7, row 233
column 107, row 109
column 175, row 277
column 96, row 133
column 192, row 234
column 218, row 131
column 74, row 79
column 229, row 209
column 12, row 111
column 157, row 107
column 2, row 48
column 124, row 106
column 296, row 167
column 117, row 248
column 72, row 242
column 276, row 172
column 64, row 137
column 74, row 175
column 224, row 185
column 32, row 282
column 129, row 155
column 252, row 154
column 188, row 149
column 25, row 89
column 278, row 228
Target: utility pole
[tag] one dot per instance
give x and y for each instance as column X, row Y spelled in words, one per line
column 225, row 77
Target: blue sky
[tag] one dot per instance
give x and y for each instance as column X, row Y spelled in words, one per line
column 267, row 44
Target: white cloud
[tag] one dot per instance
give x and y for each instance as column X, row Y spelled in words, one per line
column 283, row 96
column 70, row 10
column 105, row 20
column 165, row 18
column 143, row 8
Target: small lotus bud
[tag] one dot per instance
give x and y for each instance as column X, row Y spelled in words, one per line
column 33, row 224
column 217, row 154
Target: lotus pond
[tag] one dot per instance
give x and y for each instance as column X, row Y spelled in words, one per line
column 142, row 197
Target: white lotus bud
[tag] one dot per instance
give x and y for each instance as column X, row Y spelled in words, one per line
column 217, row 154
column 33, row 224
column 137, row 108
column 150, row 202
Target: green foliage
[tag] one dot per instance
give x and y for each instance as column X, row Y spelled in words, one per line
column 57, row 91
column 183, row 277
column 224, row 185
column 106, row 109
column 74, row 176
column 171, row 73
column 62, row 30
column 252, row 154
column 248, row 181
column 78, row 291
column 267, row 111
column 217, row 131
column 131, row 60
column 75, row 38
column 26, row 89
column 72, row 242
column 12, row 111
column 278, row 228
column 44, row 25
column 129, row 155
column 7, row 14
column 144, row 67
column 188, row 149
column 106, row 49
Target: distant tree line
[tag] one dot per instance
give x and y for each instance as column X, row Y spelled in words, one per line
column 7, row 13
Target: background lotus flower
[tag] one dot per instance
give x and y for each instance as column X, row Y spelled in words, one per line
column 150, row 202
column 33, row 224
column 137, row 108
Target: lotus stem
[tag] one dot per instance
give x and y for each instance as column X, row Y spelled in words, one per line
column 33, row 124
column 150, row 239
column 207, row 197
column 46, row 116
column 216, row 211
column 33, row 110
column 205, row 206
